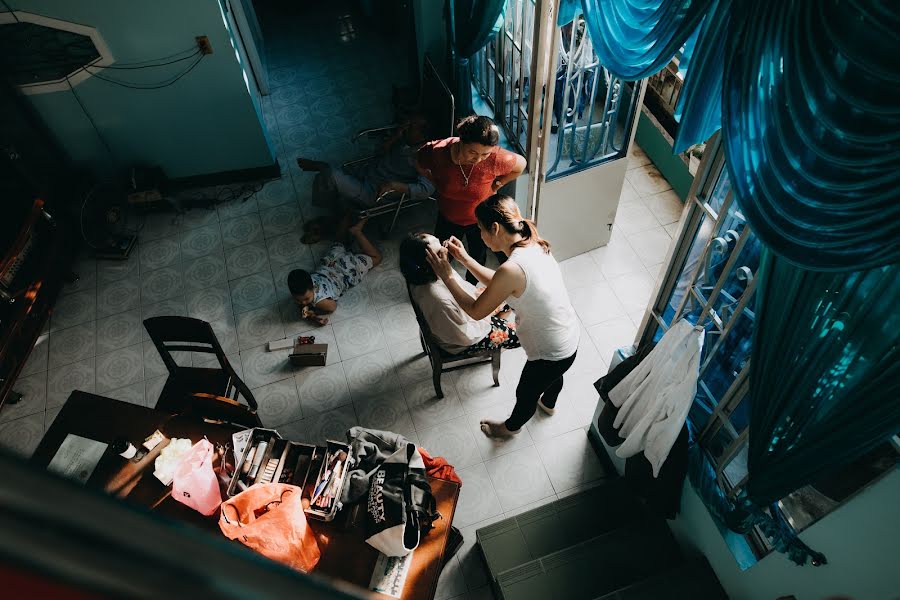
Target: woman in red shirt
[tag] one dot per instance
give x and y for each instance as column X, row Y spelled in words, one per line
column 466, row 170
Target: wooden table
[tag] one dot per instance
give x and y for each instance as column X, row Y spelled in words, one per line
column 345, row 555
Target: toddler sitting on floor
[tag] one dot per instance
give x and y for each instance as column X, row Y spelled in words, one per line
column 316, row 293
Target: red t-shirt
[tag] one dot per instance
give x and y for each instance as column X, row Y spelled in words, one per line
column 456, row 200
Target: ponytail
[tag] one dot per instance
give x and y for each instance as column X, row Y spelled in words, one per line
column 504, row 211
column 528, row 230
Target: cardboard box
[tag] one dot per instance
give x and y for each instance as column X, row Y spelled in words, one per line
column 309, row 355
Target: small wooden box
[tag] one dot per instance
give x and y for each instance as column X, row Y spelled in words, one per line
column 309, row 355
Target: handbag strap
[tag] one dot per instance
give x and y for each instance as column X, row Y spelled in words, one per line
column 237, row 520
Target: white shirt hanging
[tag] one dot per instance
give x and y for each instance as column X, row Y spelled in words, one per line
column 654, row 399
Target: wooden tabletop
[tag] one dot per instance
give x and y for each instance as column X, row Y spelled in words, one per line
column 345, row 554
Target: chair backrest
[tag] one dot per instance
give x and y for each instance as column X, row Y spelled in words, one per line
column 429, row 338
column 185, row 334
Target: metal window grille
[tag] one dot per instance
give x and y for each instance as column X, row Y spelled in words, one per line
column 502, row 70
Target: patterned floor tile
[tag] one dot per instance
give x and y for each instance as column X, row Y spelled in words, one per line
column 246, row 260
column 73, row 344
column 287, row 249
column 37, row 359
column 570, row 460
column 352, row 303
column 118, row 296
column 120, row 368
column 331, row 425
column 201, row 241
column 132, row 394
column 262, row 367
column 410, row 361
column 454, row 440
column 253, row 291
column 161, row 284
column 399, row 324
column 74, row 309
column 210, row 304
column 118, row 331
column 34, row 398
column 386, row 287
column 427, row 409
column 280, row 219
column 519, row 478
column 160, row 253
column 206, row 271
column 278, row 403
column 259, row 326
column 322, row 389
column 63, row 380
column 86, row 270
column 371, row 375
column 241, row 230
column 477, row 499
column 386, row 412
column 358, row 336
column 22, row 436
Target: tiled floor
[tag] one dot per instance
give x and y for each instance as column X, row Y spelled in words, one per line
column 228, row 266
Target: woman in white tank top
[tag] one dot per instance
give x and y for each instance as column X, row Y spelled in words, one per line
column 530, row 282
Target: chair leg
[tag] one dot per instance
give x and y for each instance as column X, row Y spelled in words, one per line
column 437, row 369
column 397, row 212
column 495, row 367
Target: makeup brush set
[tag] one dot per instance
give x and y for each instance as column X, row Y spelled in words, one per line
column 320, row 471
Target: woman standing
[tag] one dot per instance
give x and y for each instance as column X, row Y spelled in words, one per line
column 466, row 170
column 530, row 281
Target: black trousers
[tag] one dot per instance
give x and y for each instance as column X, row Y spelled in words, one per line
column 443, row 229
column 540, row 380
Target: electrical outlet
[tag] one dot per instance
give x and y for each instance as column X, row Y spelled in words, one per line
column 203, row 44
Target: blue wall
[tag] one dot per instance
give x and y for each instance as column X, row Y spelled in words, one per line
column 861, row 540
column 205, row 123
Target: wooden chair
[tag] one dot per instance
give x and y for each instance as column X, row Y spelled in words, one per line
column 210, row 392
column 441, row 360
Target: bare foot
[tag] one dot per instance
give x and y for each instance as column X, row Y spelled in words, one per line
column 311, row 165
column 497, row 429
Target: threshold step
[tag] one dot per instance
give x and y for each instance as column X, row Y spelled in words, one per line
column 557, row 525
column 593, row 568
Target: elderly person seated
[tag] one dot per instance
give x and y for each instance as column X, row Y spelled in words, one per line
column 455, row 331
column 394, row 170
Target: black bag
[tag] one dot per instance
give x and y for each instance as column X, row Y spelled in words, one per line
column 400, row 507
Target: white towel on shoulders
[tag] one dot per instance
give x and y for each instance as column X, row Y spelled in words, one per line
column 654, row 399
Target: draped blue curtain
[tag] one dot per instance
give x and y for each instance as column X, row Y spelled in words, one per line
column 825, row 373
column 472, row 22
column 807, row 93
column 812, row 128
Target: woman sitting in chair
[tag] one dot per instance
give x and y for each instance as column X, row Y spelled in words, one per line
column 455, row 331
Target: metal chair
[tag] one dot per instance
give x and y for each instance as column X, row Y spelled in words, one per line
column 441, row 360
column 210, row 392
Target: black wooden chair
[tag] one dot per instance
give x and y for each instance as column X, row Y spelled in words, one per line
column 442, row 361
column 212, row 393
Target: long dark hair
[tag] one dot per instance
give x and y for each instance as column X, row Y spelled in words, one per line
column 476, row 129
column 504, row 210
column 413, row 260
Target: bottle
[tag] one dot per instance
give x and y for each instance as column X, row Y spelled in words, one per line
column 126, row 449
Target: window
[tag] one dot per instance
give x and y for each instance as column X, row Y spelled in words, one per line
column 501, row 71
column 711, row 281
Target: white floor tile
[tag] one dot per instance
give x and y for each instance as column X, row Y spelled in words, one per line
column 519, row 478
column 454, row 440
column 570, row 460
column 477, row 499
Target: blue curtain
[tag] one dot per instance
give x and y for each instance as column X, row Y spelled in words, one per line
column 472, row 22
column 825, row 372
column 812, row 128
column 741, row 515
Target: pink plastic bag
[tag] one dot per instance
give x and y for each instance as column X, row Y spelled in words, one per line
column 195, row 484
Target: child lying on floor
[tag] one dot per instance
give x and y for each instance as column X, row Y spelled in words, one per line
column 316, row 293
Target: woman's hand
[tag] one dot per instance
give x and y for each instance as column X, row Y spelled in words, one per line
column 456, row 249
column 439, row 263
column 496, row 185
